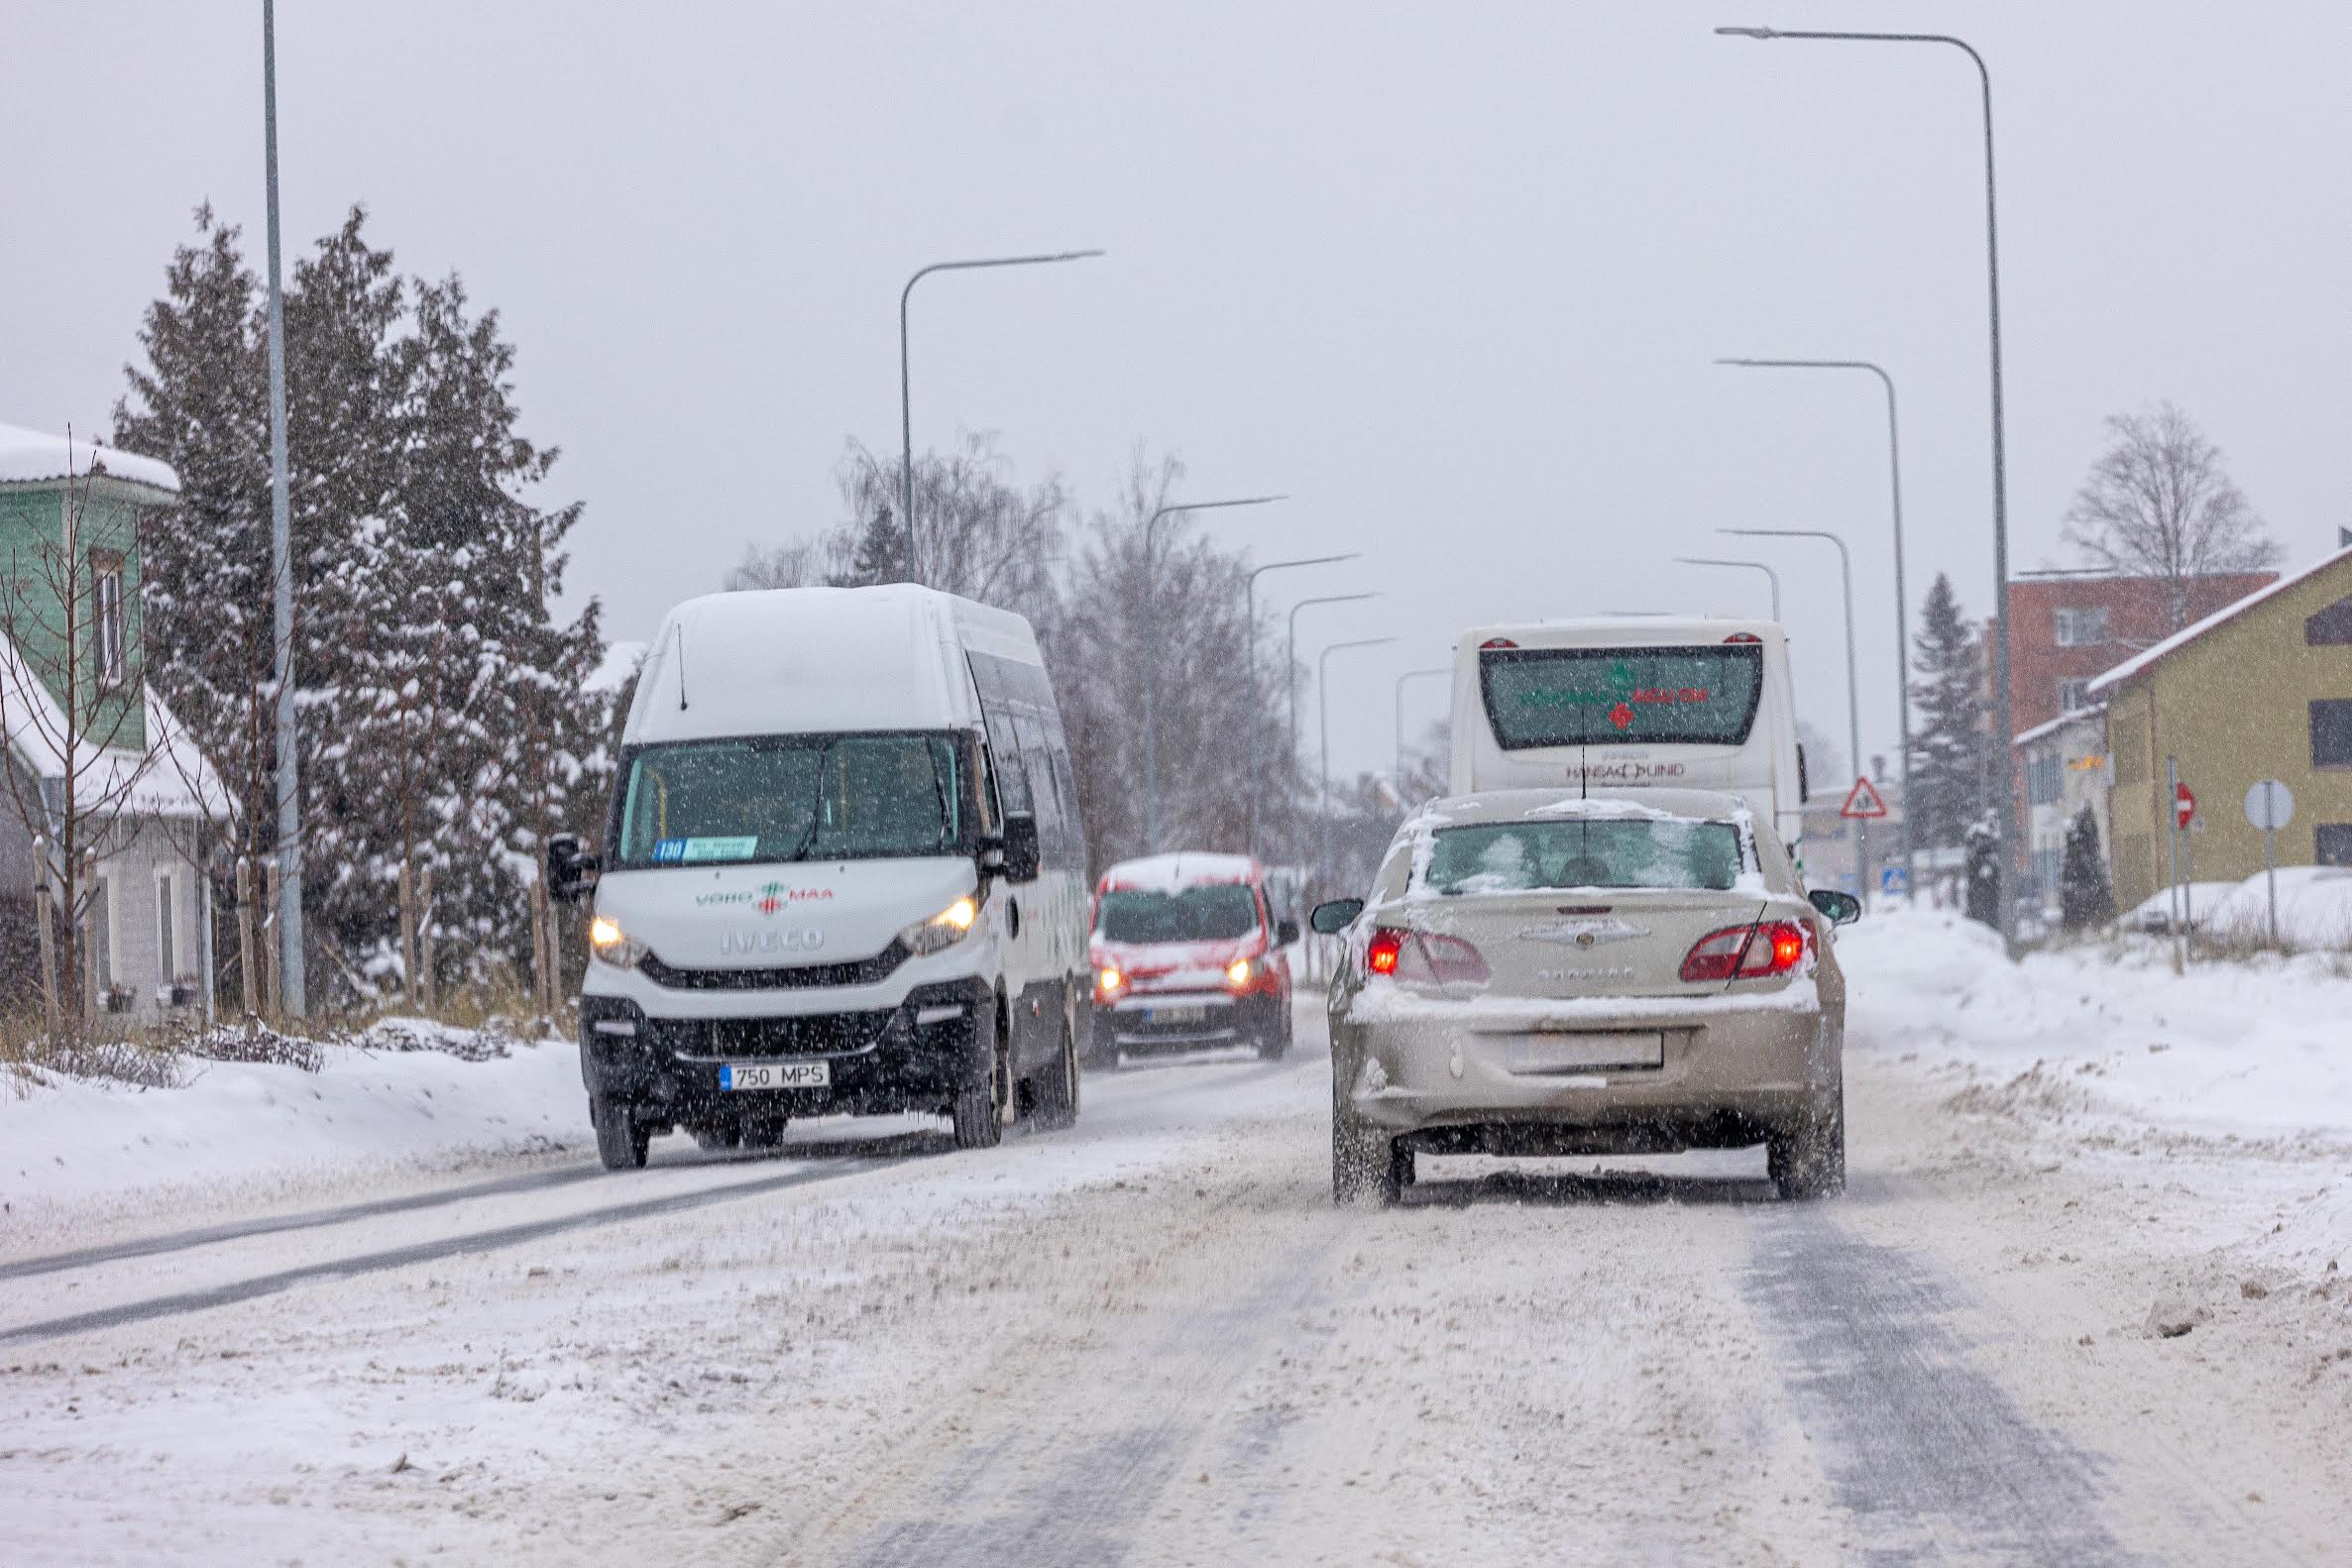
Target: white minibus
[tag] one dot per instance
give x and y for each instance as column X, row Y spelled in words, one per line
column 1632, row 700
column 842, row 871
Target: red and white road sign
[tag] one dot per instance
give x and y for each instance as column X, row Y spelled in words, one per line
column 2183, row 805
column 1863, row 801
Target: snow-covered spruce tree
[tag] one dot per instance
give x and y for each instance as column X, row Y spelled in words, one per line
column 442, row 718
column 1948, row 744
column 201, row 404
column 2086, row 897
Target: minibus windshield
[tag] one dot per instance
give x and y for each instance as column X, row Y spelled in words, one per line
column 1560, row 696
column 760, row 798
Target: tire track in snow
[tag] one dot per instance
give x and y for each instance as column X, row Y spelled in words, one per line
column 433, row 1251
column 1931, row 1456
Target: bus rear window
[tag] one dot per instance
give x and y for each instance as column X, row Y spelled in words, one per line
column 1565, row 697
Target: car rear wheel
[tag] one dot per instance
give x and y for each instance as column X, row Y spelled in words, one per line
column 1366, row 1166
column 620, row 1138
column 1809, row 1160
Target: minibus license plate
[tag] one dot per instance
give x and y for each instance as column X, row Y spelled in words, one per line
column 816, row 1075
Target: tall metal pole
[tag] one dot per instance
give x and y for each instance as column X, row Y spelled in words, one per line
column 1711, row 560
column 1152, row 658
column 1894, row 474
column 906, row 411
column 1409, row 675
column 292, row 999
column 1323, row 708
column 2005, row 815
column 1249, row 598
column 1853, row 684
column 1290, row 679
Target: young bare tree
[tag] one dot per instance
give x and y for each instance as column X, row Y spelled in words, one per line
column 72, row 705
column 2158, row 504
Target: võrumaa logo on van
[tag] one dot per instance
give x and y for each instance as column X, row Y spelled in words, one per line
column 775, row 895
column 772, row 938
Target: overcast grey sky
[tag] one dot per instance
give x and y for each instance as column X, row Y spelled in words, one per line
column 1450, row 277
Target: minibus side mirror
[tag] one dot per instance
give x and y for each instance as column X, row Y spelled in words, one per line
column 1844, row 909
column 1285, row 932
column 1336, row 916
column 1020, row 846
column 571, row 875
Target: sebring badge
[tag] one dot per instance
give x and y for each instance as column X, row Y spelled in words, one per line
column 1581, row 932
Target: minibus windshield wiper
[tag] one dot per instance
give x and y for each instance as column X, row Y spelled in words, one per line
column 800, row 850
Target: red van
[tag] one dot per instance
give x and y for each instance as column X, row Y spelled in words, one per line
column 1187, row 955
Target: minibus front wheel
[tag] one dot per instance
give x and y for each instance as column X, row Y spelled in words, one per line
column 620, row 1138
column 980, row 1109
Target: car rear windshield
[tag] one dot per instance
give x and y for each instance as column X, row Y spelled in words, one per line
column 1193, row 914
column 1564, row 697
column 790, row 797
column 1516, row 857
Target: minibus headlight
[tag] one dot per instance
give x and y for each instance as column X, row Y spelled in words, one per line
column 614, row 946
column 943, row 930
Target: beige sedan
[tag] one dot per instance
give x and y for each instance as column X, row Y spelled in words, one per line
column 1537, row 973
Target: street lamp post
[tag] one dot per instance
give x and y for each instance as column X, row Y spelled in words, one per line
column 1409, row 675
column 1152, row 657
column 1711, row 560
column 1853, row 685
column 291, row 989
column 1290, row 679
column 1323, row 710
column 906, row 412
column 1894, row 473
column 1249, row 595
column 2005, row 816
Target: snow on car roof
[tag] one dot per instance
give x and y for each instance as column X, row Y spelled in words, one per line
column 1182, row 869
column 1518, row 805
column 34, row 456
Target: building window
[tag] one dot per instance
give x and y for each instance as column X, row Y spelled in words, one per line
column 2331, row 733
column 2042, row 786
column 2083, row 627
column 2074, row 696
column 167, row 954
column 2331, row 627
column 2335, row 844
column 106, row 605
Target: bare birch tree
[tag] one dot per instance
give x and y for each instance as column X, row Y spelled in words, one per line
column 2158, row 504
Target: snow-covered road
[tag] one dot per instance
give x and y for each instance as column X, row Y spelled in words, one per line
column 1153, row 1340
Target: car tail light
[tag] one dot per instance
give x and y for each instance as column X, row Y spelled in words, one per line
column 1746, row 953
column 1426, row 957
column 1496, row 642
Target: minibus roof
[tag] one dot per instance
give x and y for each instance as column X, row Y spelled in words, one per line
column 804, row 660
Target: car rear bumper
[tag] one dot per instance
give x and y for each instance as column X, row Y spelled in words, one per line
column 1721, row 1073
column 915, row 1055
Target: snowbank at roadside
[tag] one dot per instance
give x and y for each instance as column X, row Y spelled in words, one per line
column 2249, row 1049
column 395, row 1101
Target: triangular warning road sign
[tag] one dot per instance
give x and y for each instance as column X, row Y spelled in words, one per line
column 1863, row 801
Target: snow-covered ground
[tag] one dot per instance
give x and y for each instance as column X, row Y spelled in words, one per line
column 1153, row 1339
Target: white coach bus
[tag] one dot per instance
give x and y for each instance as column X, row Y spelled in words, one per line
column 842, row 871
column 1625, row 702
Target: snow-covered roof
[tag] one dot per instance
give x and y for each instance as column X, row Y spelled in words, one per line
column 2229, row 612
column 1182, row 869
column 2052, row 726
column 34, row 456
column 170, row 778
